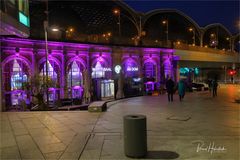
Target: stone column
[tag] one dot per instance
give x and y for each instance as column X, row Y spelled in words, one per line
column 201, row 39
column 162, row 79
column 117, row 60
column 65, row 87
column 62, row 82
column 176, row 70
column 1, row 89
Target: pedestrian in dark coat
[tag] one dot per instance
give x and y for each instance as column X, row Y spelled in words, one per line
column 170, row 89
column 214, row 87
column 181, row 89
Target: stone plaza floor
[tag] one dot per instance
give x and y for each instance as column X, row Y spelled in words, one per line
column 200, row 127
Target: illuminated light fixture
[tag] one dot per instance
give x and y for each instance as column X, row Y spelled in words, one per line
column 232, row 72
column 109, row 33
column 156, row 40
column 71, row 29
column 227, row 38
column 132, row 69
column 164, row 22
column 212, row 35
column 206, row 46
column 55, row 29
column 117, row 69
column 190, row 29
column 23, row 19
column 136, row 79
column 116, row 11
column 178, row 42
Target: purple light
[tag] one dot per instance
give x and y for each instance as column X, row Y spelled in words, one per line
column 51, row 89
column 149, row 82
column 63, row 54
column 76, row 87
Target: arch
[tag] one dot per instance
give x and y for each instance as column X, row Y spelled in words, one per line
column 129, row 59
column 49, row 59
column 13, row 57
column 151, row 13
column 151, row 60
column 102, row 60
column 130, row 10
column 74, row 75
column 234, row 37
column 77, row 59
column 216, row 25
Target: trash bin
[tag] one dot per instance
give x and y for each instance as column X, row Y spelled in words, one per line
column 135, row 136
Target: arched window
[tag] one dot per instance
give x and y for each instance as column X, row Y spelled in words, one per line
column 18, row 77
column 131, row 69
column 51, row 72
column 98, row 71
column 150, row 70
column 75, row 75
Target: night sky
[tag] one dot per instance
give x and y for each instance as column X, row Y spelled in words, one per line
column 203, row 12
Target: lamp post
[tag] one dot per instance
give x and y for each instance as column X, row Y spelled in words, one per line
column 46, row 50
column 194, row 33
column 134, row 20
column 165, row 22
column 71, row 87
column 229, row 40
column 118, row 13
column 45, row 25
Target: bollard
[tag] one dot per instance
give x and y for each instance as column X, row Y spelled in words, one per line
column 135, row 136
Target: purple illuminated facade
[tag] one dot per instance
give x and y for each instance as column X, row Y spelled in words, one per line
column 23, row 58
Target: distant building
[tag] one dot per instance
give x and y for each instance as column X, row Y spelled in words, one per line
column 76, row 67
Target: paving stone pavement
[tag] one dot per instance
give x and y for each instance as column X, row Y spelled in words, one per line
column 175, row 130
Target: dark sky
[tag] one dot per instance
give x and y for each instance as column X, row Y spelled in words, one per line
column 203, row 12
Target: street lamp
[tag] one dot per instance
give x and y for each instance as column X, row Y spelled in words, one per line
column 165, row 22
column 63, row 31
column 194, row 33
column 136, row 22
column 228, row 39
column 213, row 40
column 118, row 13
column 45, row 24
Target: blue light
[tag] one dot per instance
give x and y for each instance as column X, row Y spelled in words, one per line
column 23, row 19
column 196, row 71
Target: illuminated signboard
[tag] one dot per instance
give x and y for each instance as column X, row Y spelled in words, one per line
column 132, row 69
column 23, row 19
column 102, row 69
column 117, row 69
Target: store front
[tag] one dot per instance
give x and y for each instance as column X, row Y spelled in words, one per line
column 103, row 85
column 75, row 80
column 150, row 76
column 16, row 74
column 87, row 72
column 132, row 80
column 53, row 73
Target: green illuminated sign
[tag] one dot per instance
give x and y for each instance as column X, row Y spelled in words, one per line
column 23, row 19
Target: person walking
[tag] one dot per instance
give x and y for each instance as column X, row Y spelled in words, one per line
column 181, row 89
column 210, row 85
column 170, row 89
column 215, row 86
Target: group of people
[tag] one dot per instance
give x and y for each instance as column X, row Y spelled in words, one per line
column 171, row 88
column 181, row 87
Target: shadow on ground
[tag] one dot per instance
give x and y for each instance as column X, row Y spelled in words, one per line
column 162, row 155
